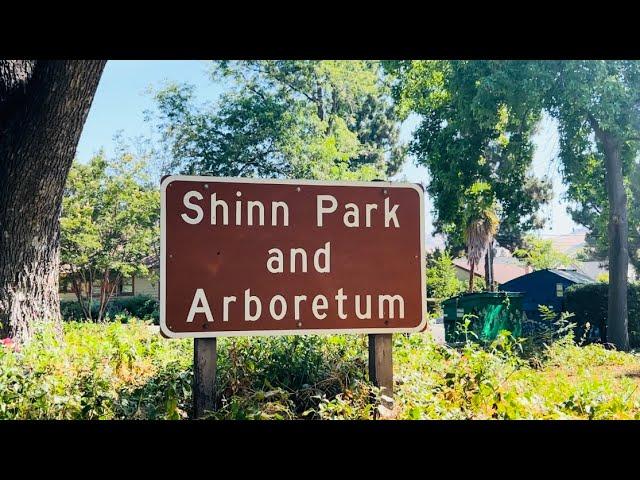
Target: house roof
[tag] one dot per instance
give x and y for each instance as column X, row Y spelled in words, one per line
column 152, row 261
column 572, row 275
column 502, row 271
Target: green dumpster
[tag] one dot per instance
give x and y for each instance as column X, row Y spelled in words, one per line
column 490, row 312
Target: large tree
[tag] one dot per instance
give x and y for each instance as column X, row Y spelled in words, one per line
column 587, row 190
column 302, row 119
column 597, row 106
column 471, row 132
column 43, row 107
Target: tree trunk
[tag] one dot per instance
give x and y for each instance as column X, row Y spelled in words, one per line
column 471, row 274
column 488, row 269
column 617, row 330
column 43, row 107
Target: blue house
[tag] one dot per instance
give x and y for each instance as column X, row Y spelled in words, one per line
column 544, row 287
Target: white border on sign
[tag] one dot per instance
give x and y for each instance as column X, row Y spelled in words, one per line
column 237, row 333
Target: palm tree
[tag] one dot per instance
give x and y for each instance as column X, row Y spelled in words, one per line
column 481, row 224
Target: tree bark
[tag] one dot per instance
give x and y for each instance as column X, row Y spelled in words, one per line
column 488, row 269
column 43, row 107
column 472, row 268
column 617, row 329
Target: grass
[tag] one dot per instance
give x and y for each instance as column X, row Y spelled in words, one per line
column 122, row 371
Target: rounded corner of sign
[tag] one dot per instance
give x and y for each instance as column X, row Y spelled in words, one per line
column 165, row 332
column 167, row 180
column 422, row 326
column 418, row 188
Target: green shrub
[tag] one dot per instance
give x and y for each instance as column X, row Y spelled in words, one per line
column 139, row 306
column 71, row 310
column 589, row 304
column 442, row 281
column 128, row 371
column 94, row 371
column 302, row 371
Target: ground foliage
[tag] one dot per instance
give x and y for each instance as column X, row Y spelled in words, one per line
column 128, row 371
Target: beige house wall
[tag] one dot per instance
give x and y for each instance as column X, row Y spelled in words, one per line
column 463, row 274
column 146, row 286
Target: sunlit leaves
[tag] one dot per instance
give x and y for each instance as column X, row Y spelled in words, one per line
column 109, row 216
column 285, row 118
column 540, row 254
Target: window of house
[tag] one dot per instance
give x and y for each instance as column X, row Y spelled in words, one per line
column 559, row 290
column 126, row 286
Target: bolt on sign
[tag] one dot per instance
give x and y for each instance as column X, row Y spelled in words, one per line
column 283, row 257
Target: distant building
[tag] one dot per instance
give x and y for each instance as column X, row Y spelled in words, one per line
column 544, row 287
column 570, row 244
column 504, row 269
column 573, row 243
column 507, row 268
column 127, row 286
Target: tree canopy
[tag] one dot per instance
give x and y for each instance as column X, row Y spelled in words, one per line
column 476, row 112
column 540, row 254
column 597, row 105
column 109, row 225
column 471, row 132
column 303, row 119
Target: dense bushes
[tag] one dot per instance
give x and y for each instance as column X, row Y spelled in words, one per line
column 116, row 370
column 589, row 304
column 294, row 377
column 95, row 371
column 140, row 306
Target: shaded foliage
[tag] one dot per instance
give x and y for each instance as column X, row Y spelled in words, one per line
column 469, row 132
column 140, row 306
column 589, row 305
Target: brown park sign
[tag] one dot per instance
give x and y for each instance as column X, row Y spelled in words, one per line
column 282, row 257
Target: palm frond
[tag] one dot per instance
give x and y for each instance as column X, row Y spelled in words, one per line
column 479, row 233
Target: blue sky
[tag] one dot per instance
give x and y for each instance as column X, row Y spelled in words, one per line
column 123, row 96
